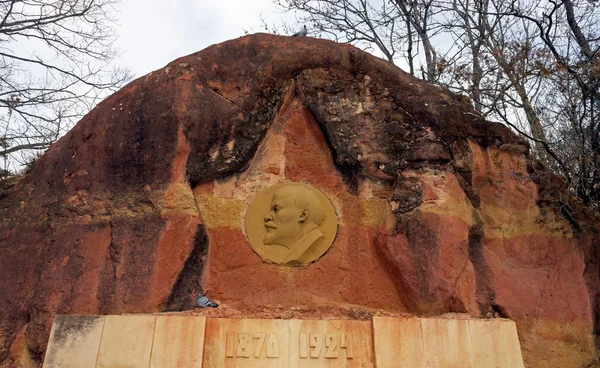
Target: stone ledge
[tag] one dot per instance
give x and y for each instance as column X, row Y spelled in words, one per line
column 196, row 341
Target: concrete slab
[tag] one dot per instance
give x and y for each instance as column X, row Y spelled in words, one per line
column 151, row 341
column 398, row 342
column 447, row 343
column 496, row 343
column 74, row 342
column 126, row 342
column 178, row 342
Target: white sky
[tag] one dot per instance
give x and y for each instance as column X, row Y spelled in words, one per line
column 153, row 33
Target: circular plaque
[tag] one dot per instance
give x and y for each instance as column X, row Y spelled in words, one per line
column 291, row 224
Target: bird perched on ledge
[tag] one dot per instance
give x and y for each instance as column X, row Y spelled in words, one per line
column 203, row 302
column 302, row 32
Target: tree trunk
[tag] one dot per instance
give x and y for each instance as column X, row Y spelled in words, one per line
column 430, row 57
column 537, row 131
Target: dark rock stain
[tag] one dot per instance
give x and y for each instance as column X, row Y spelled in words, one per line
column 188, row 282
column 485, row 293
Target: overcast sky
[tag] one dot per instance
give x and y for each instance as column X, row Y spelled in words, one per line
column 153, row 33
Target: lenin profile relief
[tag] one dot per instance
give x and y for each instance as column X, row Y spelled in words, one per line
column 291, row 224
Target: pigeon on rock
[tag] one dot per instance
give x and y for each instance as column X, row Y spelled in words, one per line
column 302, row 32
column 203, row 302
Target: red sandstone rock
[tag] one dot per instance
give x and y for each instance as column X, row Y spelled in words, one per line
column 141, row 205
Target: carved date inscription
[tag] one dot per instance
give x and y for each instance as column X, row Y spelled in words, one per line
column 257, row 345
column 317, row 345
column 266, row 345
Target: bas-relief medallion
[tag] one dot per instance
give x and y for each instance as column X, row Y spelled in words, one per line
column 291, row 224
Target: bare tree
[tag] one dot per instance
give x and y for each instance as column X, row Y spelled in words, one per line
column 570, row 34
column 367, row 24
column 466, row 67
column 513, row 45
column 532, row 64
column 55, row 63
column 418, row 16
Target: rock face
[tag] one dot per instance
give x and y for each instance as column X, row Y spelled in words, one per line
column 142, row 204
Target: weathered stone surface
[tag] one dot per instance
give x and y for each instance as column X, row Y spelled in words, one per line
column 495, row 343
column 142, row 204
column 445, row 343
column 126, row 341
column 178, row 342
column 399, row 340
column 156, row 341
column 74, row 342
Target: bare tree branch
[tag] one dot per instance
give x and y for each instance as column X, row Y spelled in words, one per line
column 69, row 68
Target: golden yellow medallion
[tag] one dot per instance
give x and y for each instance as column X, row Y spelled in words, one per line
column 291, row 224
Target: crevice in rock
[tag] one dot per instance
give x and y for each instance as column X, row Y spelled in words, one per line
column 422, row 244
column 485, row 293
column 395, row 273
column 188, row 282
column 540, row 302
column 596, row 317
column 592, row 276
column 462, row 165
column 350, row 171
column 348, row 167
column 455, row 303
column 499, row 311
column 220, row 95
column 407, row 195
column 15, row 322
column 107, row 287
column 33, row 345
column 468, row 189
column 409, row 275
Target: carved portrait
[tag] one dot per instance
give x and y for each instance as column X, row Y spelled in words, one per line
column 291, row 224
